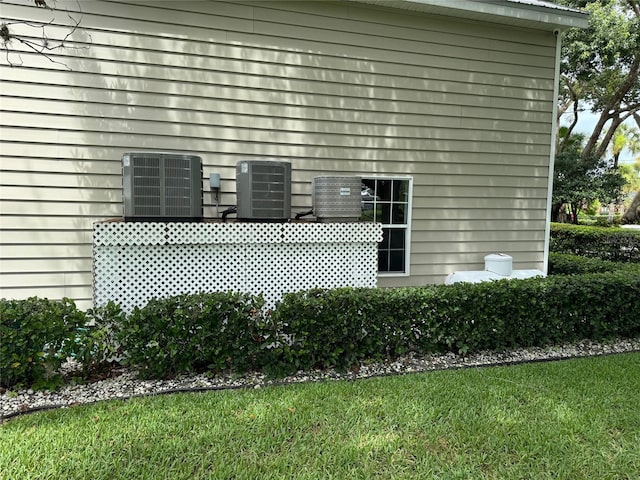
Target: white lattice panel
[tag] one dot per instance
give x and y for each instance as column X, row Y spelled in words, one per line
column 233, row 233
column 128, row 233
column 267, row 258
column 294, row 267
column 329, row 233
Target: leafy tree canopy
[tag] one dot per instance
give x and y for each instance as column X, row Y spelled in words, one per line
column 600, row 68
column 580, row 180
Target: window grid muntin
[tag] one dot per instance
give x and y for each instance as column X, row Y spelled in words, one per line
column 390, row 256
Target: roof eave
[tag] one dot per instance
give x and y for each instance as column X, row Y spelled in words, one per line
column 532, row 13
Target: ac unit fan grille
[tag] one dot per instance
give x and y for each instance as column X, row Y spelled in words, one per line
column 264, row 190
column 147, row 187
column 177, row 175
column 162, row 186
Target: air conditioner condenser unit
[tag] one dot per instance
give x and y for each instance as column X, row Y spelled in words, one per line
column 158, row 186
column 336, row 199
column 263, row 190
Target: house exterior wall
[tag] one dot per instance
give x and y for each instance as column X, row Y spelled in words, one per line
column 462, row 107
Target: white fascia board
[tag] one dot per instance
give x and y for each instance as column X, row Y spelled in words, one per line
column 531, row 13
column 552, row 156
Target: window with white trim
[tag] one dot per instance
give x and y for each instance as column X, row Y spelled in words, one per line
column 388, row 200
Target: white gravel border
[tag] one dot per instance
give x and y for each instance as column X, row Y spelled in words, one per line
column 125, row 385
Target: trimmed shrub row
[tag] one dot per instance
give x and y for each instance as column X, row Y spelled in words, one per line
column 569, row 264
column 346, row 326
column 192, row 333
column 36, row 337
column 600, row 220
column 614, row 244
column 317, row 328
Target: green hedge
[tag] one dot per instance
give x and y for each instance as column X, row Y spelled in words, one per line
column 607, row 243
column 36, row 337
column 322, row 328
column 569, row 264
column 347, row 326
column 192, row 333
column 600, row 220
column 340, row 327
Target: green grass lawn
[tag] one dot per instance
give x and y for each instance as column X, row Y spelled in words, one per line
column 576, row 419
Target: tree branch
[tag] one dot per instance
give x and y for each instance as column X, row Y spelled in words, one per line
column 612, row 109
column 41, row 45
column 575, row 101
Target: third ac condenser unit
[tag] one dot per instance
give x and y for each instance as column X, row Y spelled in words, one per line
column 263, row 190
column 337, row 199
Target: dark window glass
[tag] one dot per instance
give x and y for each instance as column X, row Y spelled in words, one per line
column 396, row 261
column 396, row 241
column 383, row 261
column 398, row 215
column 385, row 239
column 387, row 201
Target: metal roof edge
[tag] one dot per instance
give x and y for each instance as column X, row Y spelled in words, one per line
column 543, row 14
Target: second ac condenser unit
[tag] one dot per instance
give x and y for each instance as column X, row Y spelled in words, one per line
column 263, row 190
column 160, row 186
column 337, row 199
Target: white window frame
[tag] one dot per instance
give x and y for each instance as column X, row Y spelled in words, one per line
column 406, row 226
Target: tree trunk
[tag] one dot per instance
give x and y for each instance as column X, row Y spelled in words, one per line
column 601, row 149
column 575, row 209
column 557, row 213
column 633, row 214
column 595, row 135
column 610, row 110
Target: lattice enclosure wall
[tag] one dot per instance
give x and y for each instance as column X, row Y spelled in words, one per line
column 134, row 262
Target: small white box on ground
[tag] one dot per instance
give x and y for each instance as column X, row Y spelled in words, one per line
column 499, row 263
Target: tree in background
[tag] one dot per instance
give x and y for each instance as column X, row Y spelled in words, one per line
column 631, row 173
column 600, row 69
column 624, row 137
column 579, row 181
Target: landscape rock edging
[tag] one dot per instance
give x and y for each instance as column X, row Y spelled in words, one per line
column 125, row 385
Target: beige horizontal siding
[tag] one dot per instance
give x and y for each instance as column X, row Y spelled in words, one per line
column 69, row 250
column 77, row 264
column 402, row 125
column 282, row 92
column 363, row 137
column 322, row 81
column 415, row 162
column 46, row 280
column 426, row 261
column 439, row 236
column 62, row 179
column 85, row 100
column 462, row 107
column 45, row 194
column 15, row 225
column 298, row 63
column 80, row 209
column 374, row 150
column 13, row 236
